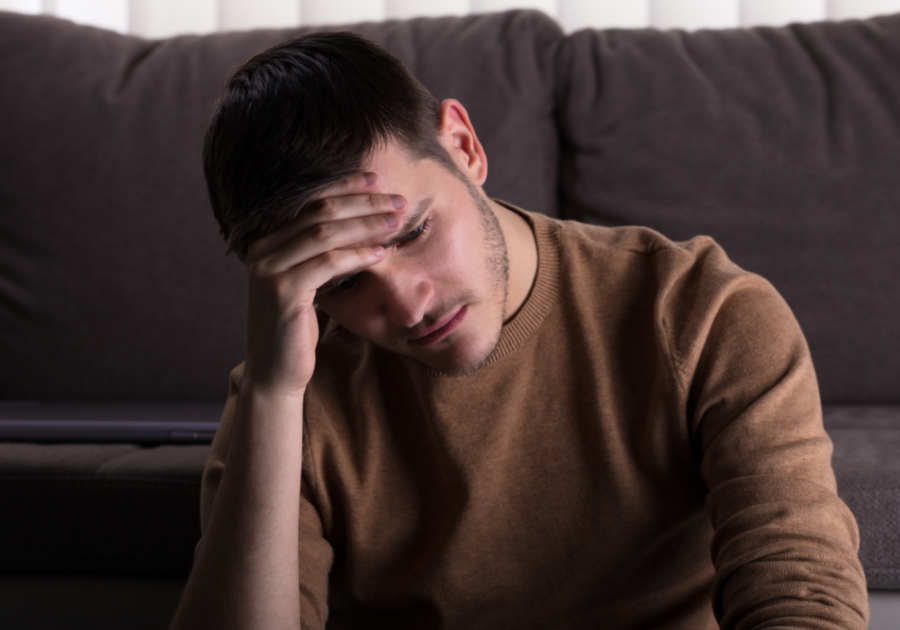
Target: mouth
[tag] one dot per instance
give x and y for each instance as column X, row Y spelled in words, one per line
column 440, row 330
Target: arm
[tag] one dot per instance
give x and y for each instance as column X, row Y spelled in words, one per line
column 785, row 545
column 246, row 571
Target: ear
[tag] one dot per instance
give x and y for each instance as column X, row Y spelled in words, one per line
column 458, row 138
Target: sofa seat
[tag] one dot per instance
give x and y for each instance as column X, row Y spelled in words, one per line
column 100, row 508
column 127, row 509
column 866, row 443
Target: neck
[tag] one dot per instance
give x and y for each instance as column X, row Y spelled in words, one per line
column 522, row 253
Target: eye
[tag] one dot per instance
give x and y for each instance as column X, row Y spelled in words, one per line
column 416, row 233
column 344, row 285
column 337, row 287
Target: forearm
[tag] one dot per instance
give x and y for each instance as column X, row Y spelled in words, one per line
column 785, row 544
column 246, row 572
column 785, row 556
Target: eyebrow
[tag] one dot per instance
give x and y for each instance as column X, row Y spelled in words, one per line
column 411, row 222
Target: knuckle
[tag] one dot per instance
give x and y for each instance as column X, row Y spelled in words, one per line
column 256, row 250
column 330, row 258
column 258, row 269
column 322, row 231
column 325, row 207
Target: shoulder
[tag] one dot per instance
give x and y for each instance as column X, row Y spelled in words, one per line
column 586, row 240
column 639, row 242
column 699, row 298
column 687, row 280
column 636, row 258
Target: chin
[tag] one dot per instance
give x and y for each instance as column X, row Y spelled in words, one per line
column 461, row 357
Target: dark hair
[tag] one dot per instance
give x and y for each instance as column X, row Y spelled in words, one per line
column 304, row 114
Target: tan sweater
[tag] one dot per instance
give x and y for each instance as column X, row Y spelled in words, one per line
column 644, row 449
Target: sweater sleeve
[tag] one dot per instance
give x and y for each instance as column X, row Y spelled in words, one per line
column 785, row 546
column 315, row 551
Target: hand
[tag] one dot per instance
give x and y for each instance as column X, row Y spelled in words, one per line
column 285, row 268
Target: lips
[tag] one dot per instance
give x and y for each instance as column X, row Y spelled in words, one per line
column 440, row 330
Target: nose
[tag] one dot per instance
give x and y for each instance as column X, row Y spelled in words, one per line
column 406, row 297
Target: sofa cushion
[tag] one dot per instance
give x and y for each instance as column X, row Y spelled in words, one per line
column 89, row 508
column 113, row 282
column 780, row 143
column 867, row 465
column 121, row 508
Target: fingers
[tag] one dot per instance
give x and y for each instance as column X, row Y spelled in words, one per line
column 317, row 272
column 335, row 234
column 349, row 198
column 348, row 207
column 322, row 238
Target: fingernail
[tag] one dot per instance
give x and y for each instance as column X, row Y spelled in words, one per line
column 392, row 220
column 397, row 201
column 370, row 178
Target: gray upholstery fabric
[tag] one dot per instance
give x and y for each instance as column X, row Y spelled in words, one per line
column 867, row 465
column 110, row 461
column 780, row 143
column 88, row 508
column 113, row 282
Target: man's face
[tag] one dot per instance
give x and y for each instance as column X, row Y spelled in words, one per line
column 440, row 293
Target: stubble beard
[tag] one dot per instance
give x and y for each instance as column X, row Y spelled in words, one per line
column 497, row 258
column 497, row 263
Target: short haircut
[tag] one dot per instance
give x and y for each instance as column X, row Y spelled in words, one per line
column 302, row 115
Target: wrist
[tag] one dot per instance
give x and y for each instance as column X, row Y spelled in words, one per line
column 269, row 406
column 265, row 392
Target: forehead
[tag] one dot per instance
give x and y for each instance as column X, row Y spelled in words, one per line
column 400, row 173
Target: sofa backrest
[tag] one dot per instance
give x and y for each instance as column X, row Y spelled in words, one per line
column 113, row 280
column 781, row 143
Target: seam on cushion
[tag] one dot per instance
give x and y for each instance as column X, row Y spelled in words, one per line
column 110, row 466
column 133, row 64
column 802, row 36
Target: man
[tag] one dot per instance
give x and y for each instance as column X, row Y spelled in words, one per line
column 509, row 421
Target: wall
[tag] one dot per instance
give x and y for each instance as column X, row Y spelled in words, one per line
column 161, row 18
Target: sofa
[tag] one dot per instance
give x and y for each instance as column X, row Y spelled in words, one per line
column 783, row 144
